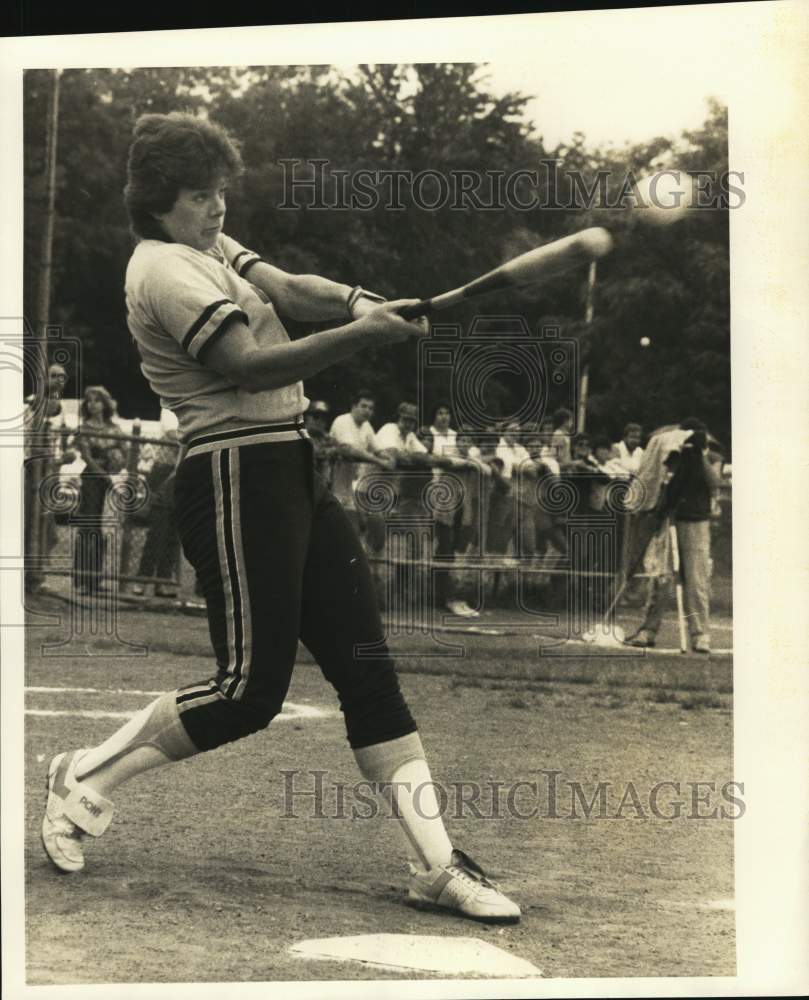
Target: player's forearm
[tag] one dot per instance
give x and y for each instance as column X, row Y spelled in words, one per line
column 302, row 296
column 284, row 364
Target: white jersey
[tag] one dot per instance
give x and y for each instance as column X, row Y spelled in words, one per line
column 179, row 302
column 345, row 430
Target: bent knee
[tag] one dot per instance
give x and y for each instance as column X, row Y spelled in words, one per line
column 375, row 709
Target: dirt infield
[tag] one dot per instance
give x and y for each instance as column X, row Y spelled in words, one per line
column 212, row 868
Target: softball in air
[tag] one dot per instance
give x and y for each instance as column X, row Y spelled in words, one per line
column 663, row 197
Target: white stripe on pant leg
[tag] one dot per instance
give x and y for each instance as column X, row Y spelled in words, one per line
column 241, row 572
column 224, row 569
column 195, row 689
column 209, row 699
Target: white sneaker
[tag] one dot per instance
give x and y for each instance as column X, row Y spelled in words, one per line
column 461, row 610
column 469, row 612
column 462, row 886
column 72, row 811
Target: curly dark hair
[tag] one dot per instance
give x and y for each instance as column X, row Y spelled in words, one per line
column 169, row 152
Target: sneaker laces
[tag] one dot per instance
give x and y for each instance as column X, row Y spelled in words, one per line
column 467, row 869
column 67, row 828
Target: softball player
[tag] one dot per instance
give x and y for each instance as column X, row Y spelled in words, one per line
column 276, row 555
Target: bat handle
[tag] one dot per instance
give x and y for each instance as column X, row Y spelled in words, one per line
column 423, row 308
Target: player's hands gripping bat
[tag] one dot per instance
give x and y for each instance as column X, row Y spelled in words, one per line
column 527, row 269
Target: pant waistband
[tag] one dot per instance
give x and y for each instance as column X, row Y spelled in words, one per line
column 293, row 430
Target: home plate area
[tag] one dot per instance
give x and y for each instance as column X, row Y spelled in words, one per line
column 449, row 956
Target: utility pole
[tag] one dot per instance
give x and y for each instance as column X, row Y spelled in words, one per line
column 584, row 384
column 46, row 246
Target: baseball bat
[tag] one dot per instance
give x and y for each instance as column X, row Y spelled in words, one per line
column 527, row 269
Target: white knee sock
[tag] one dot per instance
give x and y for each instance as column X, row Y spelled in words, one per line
column 400, row 771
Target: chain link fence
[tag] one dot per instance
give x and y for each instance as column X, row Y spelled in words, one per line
column 99, row 516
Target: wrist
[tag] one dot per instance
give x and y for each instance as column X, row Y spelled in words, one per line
column 360, row 301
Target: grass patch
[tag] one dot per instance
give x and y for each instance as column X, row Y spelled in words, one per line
column 701, row 699
column 662, row 696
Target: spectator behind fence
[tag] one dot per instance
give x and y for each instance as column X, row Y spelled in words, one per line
column 98, row 435
column 47, row 445
column 160, row 555
column 357, row 454
column 479, row 481
column 628, row 450
column 316, row 420
column 46, row 416
column 560, row 439
column 603, row 456
column 399, row 443
column 548, row 526
column 482, row 456
column 583, row 471
column 695, row 475
column 495, row 490
column 546, row 452
column 503, row 513
column 452, row 526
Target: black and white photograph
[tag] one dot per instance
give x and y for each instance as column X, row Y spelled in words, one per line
column 402, row 462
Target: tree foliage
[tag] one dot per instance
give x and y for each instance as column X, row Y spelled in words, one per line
column 671, row 285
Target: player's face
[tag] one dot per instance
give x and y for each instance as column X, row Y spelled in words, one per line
column 196, row 217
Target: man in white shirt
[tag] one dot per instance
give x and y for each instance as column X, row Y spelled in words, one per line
column 561, row 438
column 628, row 450
column 449, row 529
column 517, row 465
column 357, row 452
column 398, row 440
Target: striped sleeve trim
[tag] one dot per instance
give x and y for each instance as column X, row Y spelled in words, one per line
column 209, row 324
column 223, row 326
column 243, row 261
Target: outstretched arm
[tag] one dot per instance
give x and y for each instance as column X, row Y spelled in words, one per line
column 238, row 357
column 308, row 297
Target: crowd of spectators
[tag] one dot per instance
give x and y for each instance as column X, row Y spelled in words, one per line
column 491, row 479
column 480, row 489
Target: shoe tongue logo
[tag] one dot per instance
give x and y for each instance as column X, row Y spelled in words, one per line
column 90, row 806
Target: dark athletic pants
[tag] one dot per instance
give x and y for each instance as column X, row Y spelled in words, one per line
column 278, row 560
